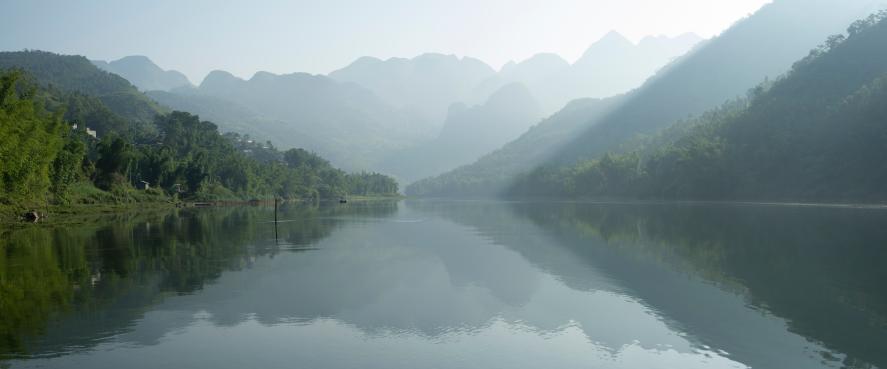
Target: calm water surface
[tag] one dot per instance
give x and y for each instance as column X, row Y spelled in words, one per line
column 450, row 285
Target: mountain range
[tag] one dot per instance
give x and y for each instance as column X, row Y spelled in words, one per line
column 765, row 44
column 379, row 114
column 815, row 133
column 424, row 86
column 611, row 66
column 345, row 122
column 468, row 133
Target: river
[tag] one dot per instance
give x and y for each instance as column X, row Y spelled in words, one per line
column 450, row 284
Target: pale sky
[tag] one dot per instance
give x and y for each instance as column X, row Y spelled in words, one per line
column 242, row 37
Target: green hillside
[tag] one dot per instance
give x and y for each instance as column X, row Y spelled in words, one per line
column 815, row 134
column 76, row 74
column 763, row 45
column 46, row 160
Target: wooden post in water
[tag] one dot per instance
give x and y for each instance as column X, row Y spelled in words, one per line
column 275, row 219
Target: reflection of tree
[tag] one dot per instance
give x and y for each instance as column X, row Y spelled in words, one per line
column 36, row 280
column 820, row 269
column 123, row 264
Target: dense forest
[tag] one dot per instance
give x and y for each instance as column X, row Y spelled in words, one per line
column 64, row 142
column 816, row 133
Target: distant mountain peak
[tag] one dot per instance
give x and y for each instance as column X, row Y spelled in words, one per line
column 367, row 59
column 425, row 85
column 136, row 58
column 613, row 43
column 614, row 37
column 546, row 58
column 510, row 94
column 433, row 55
column 144, row 74
column 508, row 67
column 220, row 74
column 263, row 76
column 219, row 80
column 536, row 66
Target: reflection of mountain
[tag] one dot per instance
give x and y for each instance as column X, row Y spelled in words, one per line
column 431, row 278
column 812, row 267
column 623, row 277
column 123, row 266
column 669, row 256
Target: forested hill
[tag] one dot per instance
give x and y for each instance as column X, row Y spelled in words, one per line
column 817, row 134
column 49, row 156
column 76, row 74
column 763, row 45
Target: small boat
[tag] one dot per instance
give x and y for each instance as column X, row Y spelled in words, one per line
column 343, row 201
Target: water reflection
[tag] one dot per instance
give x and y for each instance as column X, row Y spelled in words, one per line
column 458, row 284
column 818, row 269
column 90, row 281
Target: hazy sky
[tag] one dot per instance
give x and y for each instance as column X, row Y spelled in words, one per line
column 197, row 36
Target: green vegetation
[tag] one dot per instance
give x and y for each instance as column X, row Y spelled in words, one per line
column 77, row 75
column 49, row 157
column 816, row 134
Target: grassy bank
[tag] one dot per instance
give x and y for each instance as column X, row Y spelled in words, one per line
column 84, row 200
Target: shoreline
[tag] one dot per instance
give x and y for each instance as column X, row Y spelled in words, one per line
column 61, row 214
column 591, row 201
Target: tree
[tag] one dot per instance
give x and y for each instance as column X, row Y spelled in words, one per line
column 29, row 141
column 115, row 156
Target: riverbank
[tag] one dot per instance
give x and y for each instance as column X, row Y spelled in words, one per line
column 73, row 213
column 105, row 203
column 787, row 203
column 628, row 201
